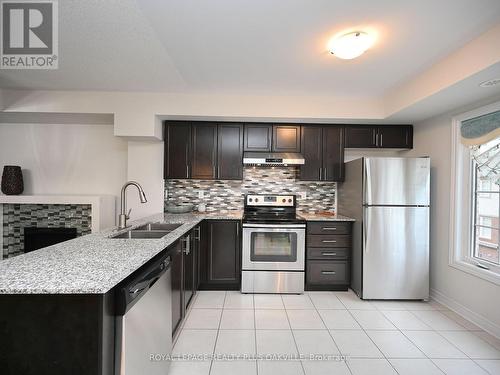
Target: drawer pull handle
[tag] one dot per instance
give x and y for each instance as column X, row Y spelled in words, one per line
column 329, row 228
column 327, row 254
column 328, row 272
column 329, row 241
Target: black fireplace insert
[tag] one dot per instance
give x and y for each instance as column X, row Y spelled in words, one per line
column 37, row 238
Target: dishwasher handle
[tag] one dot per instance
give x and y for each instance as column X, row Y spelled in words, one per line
column 129, row 293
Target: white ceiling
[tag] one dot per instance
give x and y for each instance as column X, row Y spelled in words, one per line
column 269, row 47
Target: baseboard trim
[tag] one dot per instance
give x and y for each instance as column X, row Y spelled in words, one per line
column 467, row 313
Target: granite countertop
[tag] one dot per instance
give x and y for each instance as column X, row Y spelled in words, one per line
column 93, row 264
column 96, row 263
column 325, row 216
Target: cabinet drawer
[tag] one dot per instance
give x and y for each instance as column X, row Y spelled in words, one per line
column 323, row 240
column 319, row 253
column 329, row 227
column 331, row 272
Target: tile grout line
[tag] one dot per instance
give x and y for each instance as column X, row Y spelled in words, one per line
column 373, row 342
column 255, row 334
column 439, row 333
column 330, row 333
column 218, row 330
column 293, row 335
column 401, row 331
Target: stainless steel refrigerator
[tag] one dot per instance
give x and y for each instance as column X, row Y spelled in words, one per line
column 390, row 200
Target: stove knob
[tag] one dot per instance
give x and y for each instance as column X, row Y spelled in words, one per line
column 284, row 200
column 250, row 199
column 290, row 200
column 256, row 199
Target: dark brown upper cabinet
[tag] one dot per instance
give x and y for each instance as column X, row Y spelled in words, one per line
column 333, row 153
column 379, row 136
column 177, row 149
column 361, row 136
column 312, row 151
column 323, row 151
column 230, row 152
column 395, row 136
column 258, row 137
column 276, row 138
column 204, row 151
column 286, row 138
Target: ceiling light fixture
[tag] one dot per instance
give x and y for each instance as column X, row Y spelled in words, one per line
column 490, row 82
column 351, row 45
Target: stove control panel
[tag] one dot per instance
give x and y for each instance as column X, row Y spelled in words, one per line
column 270, row 200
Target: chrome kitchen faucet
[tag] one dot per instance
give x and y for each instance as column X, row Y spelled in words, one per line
column 123, row 217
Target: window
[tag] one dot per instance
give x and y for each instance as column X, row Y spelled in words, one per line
column 486, row 209
column 475, row 196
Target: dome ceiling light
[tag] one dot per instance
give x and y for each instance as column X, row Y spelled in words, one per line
column 351, row 45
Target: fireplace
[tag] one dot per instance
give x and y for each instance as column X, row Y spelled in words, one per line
column 36, row 238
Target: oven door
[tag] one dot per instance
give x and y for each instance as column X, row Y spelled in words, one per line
column 269, row 247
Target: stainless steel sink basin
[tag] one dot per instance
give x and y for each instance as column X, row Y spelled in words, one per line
column 144, row 234
column 158, row 226
column 149, row 230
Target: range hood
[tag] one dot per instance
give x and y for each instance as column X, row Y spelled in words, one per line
column 273, row 158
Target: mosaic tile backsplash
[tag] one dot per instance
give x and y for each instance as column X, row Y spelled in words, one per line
column 18, row 216
column 226, row 195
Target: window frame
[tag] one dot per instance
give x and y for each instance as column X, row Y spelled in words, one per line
column 477, row 226
column 461, row 232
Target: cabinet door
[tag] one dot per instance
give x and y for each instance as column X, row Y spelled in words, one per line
column 177, row 149
column 258, row 137
column 312, row 150
column 188, row 268
column 360, row 136
column 176, row 269
column 204, row 151
column 333, row 153
column 230, row 152
column 220, row 255
column 395, row 136
column 195, row 248
column 286, row 138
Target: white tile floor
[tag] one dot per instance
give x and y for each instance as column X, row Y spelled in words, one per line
column 357, row 337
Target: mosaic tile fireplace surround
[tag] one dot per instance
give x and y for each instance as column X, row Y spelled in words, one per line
column 227, row 195
column 18, row 216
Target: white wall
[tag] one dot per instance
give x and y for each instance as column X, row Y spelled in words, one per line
column 469, row 295
column 65, row 159
column 145, row 165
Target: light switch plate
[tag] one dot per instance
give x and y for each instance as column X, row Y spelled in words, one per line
column 302, row 194
column 201, row 194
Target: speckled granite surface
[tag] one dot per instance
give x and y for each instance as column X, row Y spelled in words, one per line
column 95, row 263
column 325, row 217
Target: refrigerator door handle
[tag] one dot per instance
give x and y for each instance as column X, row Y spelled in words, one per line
column 363, row 228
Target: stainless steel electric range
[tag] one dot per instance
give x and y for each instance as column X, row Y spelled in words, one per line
column 273, row 249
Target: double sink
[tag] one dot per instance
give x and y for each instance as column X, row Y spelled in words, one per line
column 149, row 231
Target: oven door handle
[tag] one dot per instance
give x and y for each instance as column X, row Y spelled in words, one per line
column 271, row 226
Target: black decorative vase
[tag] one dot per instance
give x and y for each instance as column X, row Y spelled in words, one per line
column 12, row 180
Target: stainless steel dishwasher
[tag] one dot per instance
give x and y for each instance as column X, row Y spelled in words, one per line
column 144, row 321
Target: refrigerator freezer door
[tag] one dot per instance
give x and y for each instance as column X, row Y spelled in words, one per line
column 397, row 181
column 396, row 253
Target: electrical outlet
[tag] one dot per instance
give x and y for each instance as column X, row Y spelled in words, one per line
column 302, row 194
column 201, row 194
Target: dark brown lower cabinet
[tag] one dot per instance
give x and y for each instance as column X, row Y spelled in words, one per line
column 328, row 255
column 57, row 334
column 220, row 255
column 176, row 271
column 184, row 272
